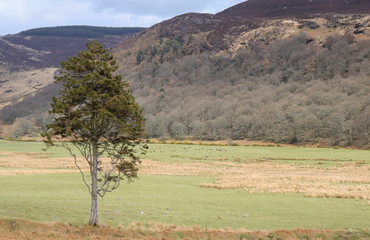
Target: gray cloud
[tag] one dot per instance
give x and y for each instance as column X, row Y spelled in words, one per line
column 18, row 15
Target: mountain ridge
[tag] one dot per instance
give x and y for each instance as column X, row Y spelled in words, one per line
column 81, row 31
column 295, row 8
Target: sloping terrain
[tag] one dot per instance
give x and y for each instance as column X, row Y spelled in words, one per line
column 245, row 24
column 26, row 52
column 295, row 8
column 295, row 71
column 29, row 60
column 232, row 75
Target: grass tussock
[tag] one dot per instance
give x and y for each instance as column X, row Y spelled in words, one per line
column 341, row 181
column 25, row 229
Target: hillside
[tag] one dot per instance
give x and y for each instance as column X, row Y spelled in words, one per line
column 29, row 59
column 301, row 76
column 233, row 75
column 197, row 33
column 295, row 8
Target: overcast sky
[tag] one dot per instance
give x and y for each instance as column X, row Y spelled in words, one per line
column 19, row 15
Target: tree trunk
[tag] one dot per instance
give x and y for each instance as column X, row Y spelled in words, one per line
column 94, row 187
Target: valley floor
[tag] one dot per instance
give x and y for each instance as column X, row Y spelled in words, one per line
column 185, row 191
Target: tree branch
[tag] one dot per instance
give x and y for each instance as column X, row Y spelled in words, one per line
column 75, row 160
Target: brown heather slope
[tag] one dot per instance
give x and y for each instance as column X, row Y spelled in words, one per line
column 253, row 21
column 18, row 52
column 28, row 63
column 262, row 20
column 295, row 8
column 194, row 23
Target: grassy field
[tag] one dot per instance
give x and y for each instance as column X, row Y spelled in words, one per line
column 185, row 153
column 173, row 200
column 191, row 185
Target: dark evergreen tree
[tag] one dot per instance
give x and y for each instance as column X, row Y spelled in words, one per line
column 96, row 115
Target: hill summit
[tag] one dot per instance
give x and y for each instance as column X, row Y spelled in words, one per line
column 295, row 8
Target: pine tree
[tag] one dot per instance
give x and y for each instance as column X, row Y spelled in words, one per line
column 96, row 115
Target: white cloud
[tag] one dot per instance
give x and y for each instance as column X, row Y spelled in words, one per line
column 19, row 15
column 219, row 5
column 22, row 14
column 164, row 7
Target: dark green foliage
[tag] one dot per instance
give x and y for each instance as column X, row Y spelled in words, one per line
column 98, row 115
column 94, row 105
column 190, row 39
column 153, row 51
column 140, row 57
column 81, row 31
column 173, row 44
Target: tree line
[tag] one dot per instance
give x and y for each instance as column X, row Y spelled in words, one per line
column 80, row 31
column 293, row 90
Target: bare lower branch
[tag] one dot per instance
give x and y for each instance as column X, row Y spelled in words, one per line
column 75, row 160
column 104, row 191
column 114, row 163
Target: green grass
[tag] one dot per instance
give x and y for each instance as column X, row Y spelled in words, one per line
column 32, row 147
column 63, row 197
column 190, row 153
column 185, row 153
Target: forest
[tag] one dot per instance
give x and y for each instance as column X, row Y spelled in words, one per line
column 80, row 31
column 293, row 91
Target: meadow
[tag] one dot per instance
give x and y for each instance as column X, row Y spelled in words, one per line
column 211, row 187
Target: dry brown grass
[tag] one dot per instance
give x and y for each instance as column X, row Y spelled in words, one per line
column 31, row 163
column 344, row 181
column 282, row 29
column 24, row 229
column 223, row 142
column 350, row 180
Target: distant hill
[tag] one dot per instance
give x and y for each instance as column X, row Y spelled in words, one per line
column 29, row 59
column 81, row 31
